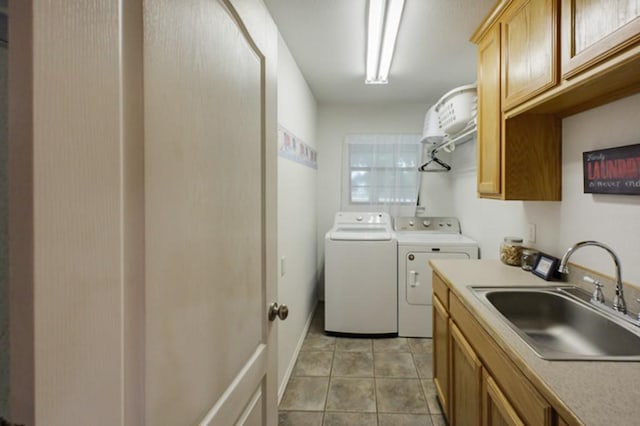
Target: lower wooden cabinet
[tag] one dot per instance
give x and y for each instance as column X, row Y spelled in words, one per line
column 476, row 399
column 441, row 353
column 476, row 381
column 496, row 408
column 466, row 381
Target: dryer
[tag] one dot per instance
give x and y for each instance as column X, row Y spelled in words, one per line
column 361, row 275
column 421, row 239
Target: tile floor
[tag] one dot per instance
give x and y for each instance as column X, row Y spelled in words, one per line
column 347, row 381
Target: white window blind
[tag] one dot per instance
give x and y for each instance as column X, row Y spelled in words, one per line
column 380, row 172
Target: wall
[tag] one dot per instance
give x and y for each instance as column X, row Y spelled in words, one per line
column 296, row 215
column 337, row 121
column 4, row 261
column 612, row 219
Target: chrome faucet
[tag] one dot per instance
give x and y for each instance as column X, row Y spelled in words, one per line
column 618, row 301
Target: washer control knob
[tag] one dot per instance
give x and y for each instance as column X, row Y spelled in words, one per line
column 359, row 218
column 426, row 223
column 410, row 223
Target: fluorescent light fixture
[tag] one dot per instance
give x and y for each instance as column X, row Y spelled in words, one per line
column 374, row 37
column 382, row 31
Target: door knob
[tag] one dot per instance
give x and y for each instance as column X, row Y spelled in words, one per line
column 280, row 311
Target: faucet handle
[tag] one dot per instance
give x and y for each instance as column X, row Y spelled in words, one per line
column 619, row 303
column 597, row 295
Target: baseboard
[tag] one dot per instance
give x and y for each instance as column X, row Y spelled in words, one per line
column 292, row 362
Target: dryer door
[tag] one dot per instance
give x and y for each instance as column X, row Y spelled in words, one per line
column 418, row 273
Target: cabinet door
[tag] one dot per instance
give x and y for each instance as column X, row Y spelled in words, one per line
column 529, row 40
column 489, row 114
column 466, row 381
column 594, row 30
column 441, row 353
column 497, row 409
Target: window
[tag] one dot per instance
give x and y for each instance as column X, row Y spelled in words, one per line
column 380, row 170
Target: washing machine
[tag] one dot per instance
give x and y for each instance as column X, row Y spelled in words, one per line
column 360, row 274
column 421, row 239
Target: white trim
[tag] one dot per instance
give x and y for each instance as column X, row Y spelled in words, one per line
column 296, row 352
column 257, row 397
column 233, row 400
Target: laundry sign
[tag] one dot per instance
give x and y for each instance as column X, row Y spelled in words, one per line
column 612, row 170
column 293, row 148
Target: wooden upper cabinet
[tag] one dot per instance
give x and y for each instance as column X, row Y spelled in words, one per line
column 529, row 46
column 518, row 158
column 594, row 30
column 489, row 114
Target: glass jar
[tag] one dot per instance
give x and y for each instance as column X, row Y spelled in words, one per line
column 528, row 259
column 511, row 251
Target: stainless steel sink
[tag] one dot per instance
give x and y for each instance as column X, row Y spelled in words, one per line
column 558, row 324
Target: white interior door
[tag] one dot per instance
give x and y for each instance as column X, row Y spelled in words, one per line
column 210, row 212
column 142, row 212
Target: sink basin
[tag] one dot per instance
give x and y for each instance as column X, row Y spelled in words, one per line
column 557, row 325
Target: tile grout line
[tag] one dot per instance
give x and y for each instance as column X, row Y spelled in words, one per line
column 375, row 383
column 413, row 351
column 326, row 397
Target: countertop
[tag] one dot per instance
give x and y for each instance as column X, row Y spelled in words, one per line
column 596, row 392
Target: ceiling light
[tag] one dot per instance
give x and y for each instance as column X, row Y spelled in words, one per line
column 374, row 37
column 382, row 31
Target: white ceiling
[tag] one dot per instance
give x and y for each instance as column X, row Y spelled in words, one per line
column 433, row 52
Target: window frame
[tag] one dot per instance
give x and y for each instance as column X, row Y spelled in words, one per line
column 377, row 170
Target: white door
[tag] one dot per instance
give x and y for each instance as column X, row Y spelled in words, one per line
column 142, row 209
column 210, row 212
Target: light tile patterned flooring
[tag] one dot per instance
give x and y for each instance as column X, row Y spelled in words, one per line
column 358, row 381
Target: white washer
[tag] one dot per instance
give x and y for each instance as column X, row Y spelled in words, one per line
column 360, row 274
column 421, row 239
